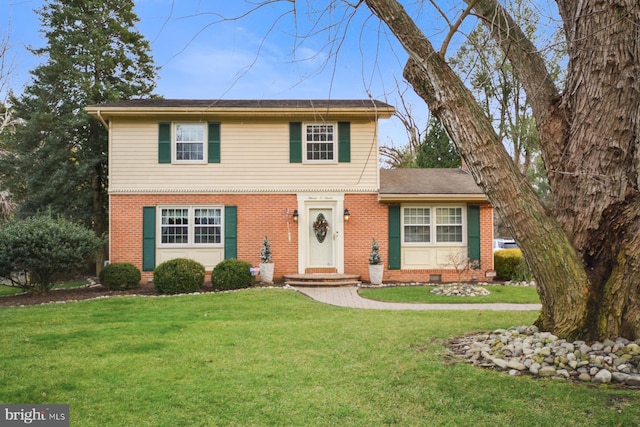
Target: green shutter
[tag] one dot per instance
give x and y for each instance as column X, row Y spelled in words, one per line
column 230, row 232
column 214, row 142
column 148, row 238
column 344, row 142
column 394, row 237
column 164, row 143
column 473, row 233
column 295, row 142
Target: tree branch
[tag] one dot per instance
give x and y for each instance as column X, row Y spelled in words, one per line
column 454, row 28
column 542, row 93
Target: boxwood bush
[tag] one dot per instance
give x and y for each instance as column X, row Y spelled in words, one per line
column 510, row 265
column 120, row 276
column 232, row 274
column 178, row 276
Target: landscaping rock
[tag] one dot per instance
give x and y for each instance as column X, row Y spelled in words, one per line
column 524, row 349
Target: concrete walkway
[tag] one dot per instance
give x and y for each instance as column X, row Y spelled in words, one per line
column 348, row 297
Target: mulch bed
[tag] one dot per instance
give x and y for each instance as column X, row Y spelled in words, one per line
column 78, row 294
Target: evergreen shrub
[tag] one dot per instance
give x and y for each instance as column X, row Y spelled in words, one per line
column 511, row 265
column 178, row 276
column 120, row 276
column 232, row 274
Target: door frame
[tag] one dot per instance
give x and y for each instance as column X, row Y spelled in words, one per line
column 308, row 201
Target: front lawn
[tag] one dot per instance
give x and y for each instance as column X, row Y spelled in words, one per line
column 275, row 357
column 422, row 294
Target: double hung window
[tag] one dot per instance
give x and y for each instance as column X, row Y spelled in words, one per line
column 189, row 142
column 418, row 223
column 320, row 142
column 191, row 225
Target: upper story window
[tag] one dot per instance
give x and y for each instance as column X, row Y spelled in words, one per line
column 418, row 222
column 189, row 142
column 194, row 225
column 320, row 142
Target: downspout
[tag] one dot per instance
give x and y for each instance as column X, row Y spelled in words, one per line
column 106, row 125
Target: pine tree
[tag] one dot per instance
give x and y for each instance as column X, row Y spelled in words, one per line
column 56, row 160
column 437, row 151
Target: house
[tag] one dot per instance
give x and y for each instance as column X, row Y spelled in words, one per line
column 208, row 179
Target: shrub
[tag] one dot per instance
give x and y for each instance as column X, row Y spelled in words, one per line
column 44, row 248
column 120, row 276
column 177, row 276
column 511, row 265
column 232, row 274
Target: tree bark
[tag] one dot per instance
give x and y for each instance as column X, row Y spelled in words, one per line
column 583, row 253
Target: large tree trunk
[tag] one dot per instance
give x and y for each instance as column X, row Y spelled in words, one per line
column 584, row 254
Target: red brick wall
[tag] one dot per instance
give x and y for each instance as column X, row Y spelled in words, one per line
column 266, row 214
column 258, row 215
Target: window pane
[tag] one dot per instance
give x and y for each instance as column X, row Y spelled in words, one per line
column 319, row 142
column 417, row 225
column 208, row 226
column 449, row 233
column 189, row 142
column 417, row 234
column 190, row 133
column 448, row 215
column 174, row 226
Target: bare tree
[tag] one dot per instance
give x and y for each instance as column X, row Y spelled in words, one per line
column 585, row 251
column 399, row 157
column 7, row 122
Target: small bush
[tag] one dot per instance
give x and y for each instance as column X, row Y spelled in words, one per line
column 510, row 265
column 120, row 276
column 178, row 276
column 232, row 274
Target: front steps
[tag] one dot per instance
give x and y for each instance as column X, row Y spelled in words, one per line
column 322, row 280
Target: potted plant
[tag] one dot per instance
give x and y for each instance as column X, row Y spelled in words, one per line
column 266, row 266
column 376, row 268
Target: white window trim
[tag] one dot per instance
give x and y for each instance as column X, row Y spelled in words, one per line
column 305, row 159
column 174, row 144
column 191, row 227
column 433, row 225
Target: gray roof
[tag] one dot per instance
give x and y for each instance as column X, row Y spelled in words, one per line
column 247, row 103
column 427, row 182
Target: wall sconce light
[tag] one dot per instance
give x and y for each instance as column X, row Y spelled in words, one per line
column 295, row 215
column 347, row 215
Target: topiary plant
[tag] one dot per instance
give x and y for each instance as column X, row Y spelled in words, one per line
column 232, row 274
column 120, row 276
column 178, row 276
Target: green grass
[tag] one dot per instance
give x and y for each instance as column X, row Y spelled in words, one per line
column 422, row 294
column 9, row 290
column 276, row 358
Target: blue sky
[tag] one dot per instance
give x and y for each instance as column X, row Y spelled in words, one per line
column 261, row 56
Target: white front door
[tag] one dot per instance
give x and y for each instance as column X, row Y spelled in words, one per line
column 321, row 238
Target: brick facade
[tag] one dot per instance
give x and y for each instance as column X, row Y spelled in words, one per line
column 271, row 215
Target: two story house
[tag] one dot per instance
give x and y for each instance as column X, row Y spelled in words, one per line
column 208, row 179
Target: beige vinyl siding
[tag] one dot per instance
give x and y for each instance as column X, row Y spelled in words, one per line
column 254, row 157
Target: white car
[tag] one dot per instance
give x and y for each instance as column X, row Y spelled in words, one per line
column 499, row 244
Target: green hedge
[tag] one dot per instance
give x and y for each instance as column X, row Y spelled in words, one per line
column 120, row 276
column 178, row 276
column 510, row 265
column 232, row 274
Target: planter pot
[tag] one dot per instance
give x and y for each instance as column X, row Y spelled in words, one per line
column 266, row 272
column 375, row 273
